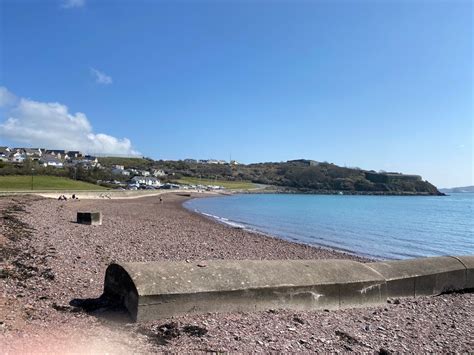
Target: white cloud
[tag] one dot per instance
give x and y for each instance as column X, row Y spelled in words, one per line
column 51, row 125
column 6, row 97
column 68, row 4
column 101, row 77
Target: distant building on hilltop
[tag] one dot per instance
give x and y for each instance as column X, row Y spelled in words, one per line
column 305, row 162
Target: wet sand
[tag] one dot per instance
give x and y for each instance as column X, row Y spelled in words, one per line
column 49, row 260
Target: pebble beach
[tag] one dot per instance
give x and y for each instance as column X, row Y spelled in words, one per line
column 48, row 261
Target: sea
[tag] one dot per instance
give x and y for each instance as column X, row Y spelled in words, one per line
column 380, row 227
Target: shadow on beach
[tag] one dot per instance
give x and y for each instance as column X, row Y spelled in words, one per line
column 102, row 308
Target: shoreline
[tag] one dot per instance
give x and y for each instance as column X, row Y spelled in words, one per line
column 291, row 191
column 50, row 261
column 218, row 220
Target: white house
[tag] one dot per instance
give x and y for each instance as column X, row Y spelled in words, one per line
column 33, row 152
column 58, row 154
column 91, row 158
column 48, row 160
column 73, row 154
column 143, row 180
column 5, row 152
column 17, row 157
column 157, row 173
column 120, row 172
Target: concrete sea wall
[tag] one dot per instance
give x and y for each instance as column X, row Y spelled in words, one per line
column 162, row 289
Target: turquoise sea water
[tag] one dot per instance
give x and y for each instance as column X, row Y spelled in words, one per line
column 394, row 227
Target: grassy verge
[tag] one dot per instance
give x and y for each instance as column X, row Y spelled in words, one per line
column 232, row 185
column 43, row 182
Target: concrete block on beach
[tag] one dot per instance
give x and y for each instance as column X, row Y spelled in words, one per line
column 162, row 289
column 91, row 218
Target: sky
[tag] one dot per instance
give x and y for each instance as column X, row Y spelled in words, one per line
column 383, row 85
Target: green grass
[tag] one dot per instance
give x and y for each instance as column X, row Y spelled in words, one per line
column 43, row 182
column 138, row 163
column 232, row 185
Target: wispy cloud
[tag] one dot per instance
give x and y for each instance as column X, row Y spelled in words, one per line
column 6, row 97
column 101, row 77
column 69, row 4
column 51, row 125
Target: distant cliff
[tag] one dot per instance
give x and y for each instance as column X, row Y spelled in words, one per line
column 311, row 176
column 458, row 189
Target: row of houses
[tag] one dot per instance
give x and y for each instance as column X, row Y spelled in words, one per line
column 210, row 161
column 48, row 157
column 120, row 170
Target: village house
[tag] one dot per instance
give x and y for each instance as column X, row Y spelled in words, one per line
column 49, row 160
column 84, row 164
column 17, row 157
column 91, row 161
column 4, row 153
column 58, row 154
column 123, row 172
column 148, row 181
column 73, row 154
column 33, row 152
column 158, row 173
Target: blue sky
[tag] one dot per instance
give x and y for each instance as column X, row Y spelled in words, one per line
column 375, row 84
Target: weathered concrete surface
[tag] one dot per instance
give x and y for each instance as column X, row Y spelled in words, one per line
column 157, row 290
column 92, row 218
column 423, row 277
column 468, row 262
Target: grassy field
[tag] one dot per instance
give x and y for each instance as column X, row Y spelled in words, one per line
column 42, row 182
column 232, row 185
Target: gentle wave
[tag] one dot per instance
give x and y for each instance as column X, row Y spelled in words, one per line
column 222, row 220
column 376, row 226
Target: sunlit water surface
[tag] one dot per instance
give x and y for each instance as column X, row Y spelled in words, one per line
column 394, row 227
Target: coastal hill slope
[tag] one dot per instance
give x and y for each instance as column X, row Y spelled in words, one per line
column 302, row 176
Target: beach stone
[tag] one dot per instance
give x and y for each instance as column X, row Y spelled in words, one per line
column 90, row 218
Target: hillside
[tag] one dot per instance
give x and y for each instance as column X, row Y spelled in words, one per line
column 305, row 176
